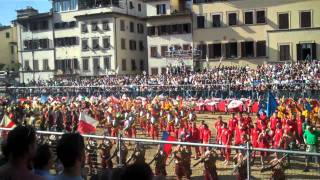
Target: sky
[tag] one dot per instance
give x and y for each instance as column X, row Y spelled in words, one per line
column 8, row 8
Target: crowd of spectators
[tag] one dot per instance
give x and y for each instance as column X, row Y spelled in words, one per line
column 284, row 74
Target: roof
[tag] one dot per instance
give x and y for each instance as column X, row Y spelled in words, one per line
column 35, row 17
column 4, row 27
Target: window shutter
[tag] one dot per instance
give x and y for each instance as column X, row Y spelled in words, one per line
column 314, row 51
column 299, row 57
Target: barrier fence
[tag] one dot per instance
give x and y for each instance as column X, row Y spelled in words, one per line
column 294, row 170
column 294, row 90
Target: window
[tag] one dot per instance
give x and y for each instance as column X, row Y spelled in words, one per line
column 106, row 62
column 72, row 24
column 44, row 25
column 123, row 43
column 122, row 25
column 66, row 41
column 141, row 65
column 34, row 26
column 45, row 65
column 261, row 48
column 7, row 35
column 305, row 19
column 84, row 28
column 131, row 5
column 154, row 71
column 95, row 43
column 24, row 27
column 12, row 49
column 161, row 9
column 94, row 26
column 133, row 65
column 186, row 47
column 35, row 65
column 106, row 42
column 187, row 28
column 163, row 70
column 200, row 21
column 248, row 17
column 84, row 43
column 105, row 25
column 261, row 17
column 163, row 50
column 132, row 45
column 283, row 21
column 124, row 65
column 96, row 64
column 26, row 65
column 216, row 20
column 154, row 51
column 247, row 49
column 214, row 51
column 285, row 52
column 85, row 64
column 163, row 30
column 141, row 46
column 139, row 7
column 232, row 50
column 151, row 31
column 35, row 44
column 140, row 28
column 27, row 44
column 203, row 49
column 232, row 18
column 131, row 27
column 44, row 43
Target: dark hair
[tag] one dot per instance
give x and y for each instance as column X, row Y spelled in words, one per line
column 141, row 171
column 70, row 148
column 19, row 140
column 42, row 157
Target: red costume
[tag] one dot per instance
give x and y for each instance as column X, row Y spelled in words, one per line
column 277, row 137
column 226, row 140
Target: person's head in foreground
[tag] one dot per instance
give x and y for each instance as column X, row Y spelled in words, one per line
column 20, row 150
column 140, row 171
column 71, row 153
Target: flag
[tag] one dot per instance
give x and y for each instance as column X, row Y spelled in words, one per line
column 6, row 122
column 87, row 124
column 167, row 147
column 271, row 104
column 308, row 106
column 44, row 99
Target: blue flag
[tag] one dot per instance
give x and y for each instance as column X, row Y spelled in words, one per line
column 271, row 104
column 44, row 99
column 308, row 106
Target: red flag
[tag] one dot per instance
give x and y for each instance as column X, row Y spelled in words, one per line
column 167, row 147
column 6, row 122
column 87, row 124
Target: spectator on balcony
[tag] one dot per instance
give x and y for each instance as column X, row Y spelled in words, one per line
column 20, row 150
column 71, row 153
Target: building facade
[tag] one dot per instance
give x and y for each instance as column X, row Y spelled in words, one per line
column 253, row 32
column 99, row 37
column 8, row 48
column 169, row 25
